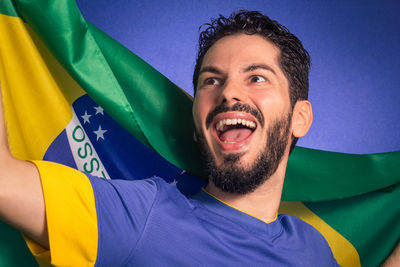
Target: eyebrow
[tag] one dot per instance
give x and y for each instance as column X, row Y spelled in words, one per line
column 254, row 67
column 249, row 68
column 211, row 69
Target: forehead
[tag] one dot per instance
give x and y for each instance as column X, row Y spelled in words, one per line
column 240, row 50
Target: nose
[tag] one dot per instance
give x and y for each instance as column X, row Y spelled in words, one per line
column 231, row 93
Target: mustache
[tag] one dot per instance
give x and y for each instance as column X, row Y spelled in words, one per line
column 236, row 107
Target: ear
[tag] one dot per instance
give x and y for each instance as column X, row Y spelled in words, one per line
column 302, row 118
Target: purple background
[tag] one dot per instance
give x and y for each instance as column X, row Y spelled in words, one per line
column 354, row 45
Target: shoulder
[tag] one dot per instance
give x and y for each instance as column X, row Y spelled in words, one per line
column 124, row 210
column 130, row 193
column 297, row 229
column 290, row 222
column 300, row 234
column 149, row 186
column 138, row 196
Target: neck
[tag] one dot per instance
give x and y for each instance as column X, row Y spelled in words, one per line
column 262, row 203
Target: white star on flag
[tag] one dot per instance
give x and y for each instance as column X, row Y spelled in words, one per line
column 100, row 133
column 174, row 183
column 99, row 110
column 86, row 117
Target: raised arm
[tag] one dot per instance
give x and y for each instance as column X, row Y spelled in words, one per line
column 394, row 259
column 21, row 196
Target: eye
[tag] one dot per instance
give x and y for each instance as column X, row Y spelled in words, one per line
column 257, row 79
column 212, row 81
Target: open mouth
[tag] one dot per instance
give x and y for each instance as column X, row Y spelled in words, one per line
column 234, row 130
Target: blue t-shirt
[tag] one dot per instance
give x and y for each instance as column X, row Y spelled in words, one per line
column 150, row 223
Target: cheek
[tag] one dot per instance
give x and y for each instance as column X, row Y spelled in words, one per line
column 199, row 111
column 203, row 103
column 265, row 103
column 195, row 113
column 270, row 104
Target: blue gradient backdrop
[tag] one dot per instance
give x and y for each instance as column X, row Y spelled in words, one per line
column 354, row 45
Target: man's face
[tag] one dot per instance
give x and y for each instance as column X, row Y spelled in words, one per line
column 242, row 97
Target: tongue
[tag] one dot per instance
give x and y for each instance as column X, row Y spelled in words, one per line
column 235, row 135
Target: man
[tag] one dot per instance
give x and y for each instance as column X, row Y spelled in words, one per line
column 251, row 81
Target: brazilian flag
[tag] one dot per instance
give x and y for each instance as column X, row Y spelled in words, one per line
column 73, row 95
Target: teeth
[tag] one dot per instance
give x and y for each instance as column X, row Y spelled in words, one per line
column 221, row 123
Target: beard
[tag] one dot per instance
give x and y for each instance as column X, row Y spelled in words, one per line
column 230, row 177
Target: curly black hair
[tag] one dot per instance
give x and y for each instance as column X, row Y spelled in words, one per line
column 293, row 58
